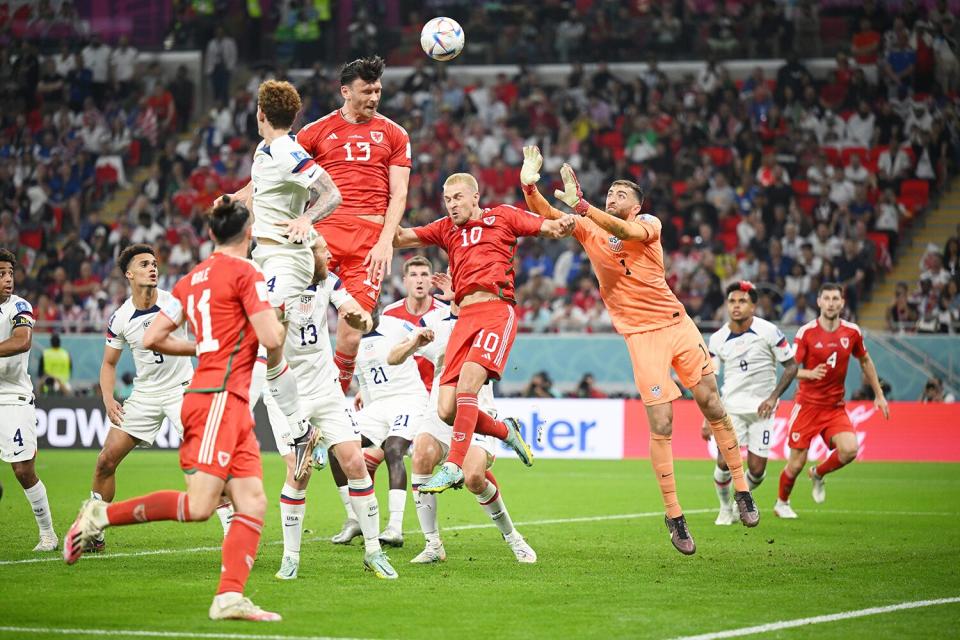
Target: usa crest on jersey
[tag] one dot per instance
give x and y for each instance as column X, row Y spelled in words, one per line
column 616, row 244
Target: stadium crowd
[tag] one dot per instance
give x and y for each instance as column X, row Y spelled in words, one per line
column 784, row 180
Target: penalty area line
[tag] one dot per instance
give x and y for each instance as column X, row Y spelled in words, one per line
column 145, row 633
column 833, row 617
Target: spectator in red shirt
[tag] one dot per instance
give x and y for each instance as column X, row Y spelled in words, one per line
column 161, row 101
column 866, row 43
column 86, row 284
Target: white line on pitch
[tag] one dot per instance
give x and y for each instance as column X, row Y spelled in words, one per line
column 833, row 617
column 141, row 633
column 463, row 527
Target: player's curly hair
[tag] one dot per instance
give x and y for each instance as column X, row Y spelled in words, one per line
column 280, row 103
column 367, row 69
column 747, row 287
column 228, row 220
column 128, row 254
column 7, row 256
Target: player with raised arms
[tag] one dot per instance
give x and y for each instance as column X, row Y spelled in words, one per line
column 289, row 193
column 624, row 249
column 307, row 349
column 160, row 381
column 432, row 442
column 748, row 349
column 368, row 157
column 225, row 300
column 480, row 244
column 823, row 349
column 18, row 428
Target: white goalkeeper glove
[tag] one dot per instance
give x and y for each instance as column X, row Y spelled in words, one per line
column 571, row 195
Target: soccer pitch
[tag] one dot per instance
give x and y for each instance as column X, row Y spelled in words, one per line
column 888, row 534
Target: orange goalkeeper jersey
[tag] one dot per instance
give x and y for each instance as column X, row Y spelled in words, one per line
column 633, row 284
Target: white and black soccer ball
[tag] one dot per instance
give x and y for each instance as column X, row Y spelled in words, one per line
column 442, row 39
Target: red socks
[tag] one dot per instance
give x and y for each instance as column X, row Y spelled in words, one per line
column 786, row 485
column 491, row 479
column 160, row 505
column 239, row 552
column 345, row 365
column 372, row 463
column 487, row 426
column 831, row 464
column 464, row 426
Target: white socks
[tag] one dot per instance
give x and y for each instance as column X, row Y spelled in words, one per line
column 492, row 503
column 721, row 479
column 397, row 503
column 225, row 513
column 426, row 509
column 344, row 492
column 258, row 378
column 283, row 387
column 37, row 495
column 754, row 481
column 368, row 513
column 292, row 508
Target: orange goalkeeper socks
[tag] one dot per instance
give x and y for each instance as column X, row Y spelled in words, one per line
column 661, row 455
column 726, row 439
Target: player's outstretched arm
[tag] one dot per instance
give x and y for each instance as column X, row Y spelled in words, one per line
column 325, row 198
column 557, row 229
column 529, row 175
column 355, row 316
column 572, row 196
column 159, row 337
column 20, row 341
column 406, row 348
column 870, row 370
column 108, row 383
column 405, row 238
column 790, row 369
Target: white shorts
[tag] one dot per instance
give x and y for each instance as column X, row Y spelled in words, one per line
column 332, row 415
column 401, row 417
column 288, row 270
column 143, row 414
column 18, row 432
column 754, row 432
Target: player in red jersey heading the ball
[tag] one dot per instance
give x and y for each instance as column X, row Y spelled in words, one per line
column 368, row 157
column 480, row 244
column 824, row 347
column 225, row 299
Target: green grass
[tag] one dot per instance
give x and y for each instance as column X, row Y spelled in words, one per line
column 866, row 546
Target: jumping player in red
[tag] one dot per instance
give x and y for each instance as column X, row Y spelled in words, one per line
column 480, row 245
column 824, row 347
column 368, row 157
column 225, row 299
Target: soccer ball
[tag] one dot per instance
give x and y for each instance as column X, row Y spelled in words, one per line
column 442, row 39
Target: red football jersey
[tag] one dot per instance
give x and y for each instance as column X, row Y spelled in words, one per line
column 217, row 297
column 481, row 251
column 399, row 310
column 358, row 157
column 816, row 346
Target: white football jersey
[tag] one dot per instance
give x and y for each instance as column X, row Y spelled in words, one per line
column 156, row 372
column 380, row 380
column 307, row 347
column 282, row 174
column 441, row 322
column 15, row 384
column 749, row 361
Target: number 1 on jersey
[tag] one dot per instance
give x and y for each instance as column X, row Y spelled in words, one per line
column 204, row 328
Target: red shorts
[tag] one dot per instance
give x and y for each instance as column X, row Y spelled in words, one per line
column 484, row 334
column 218, row 436
column 808, row 421
column 350, row 239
